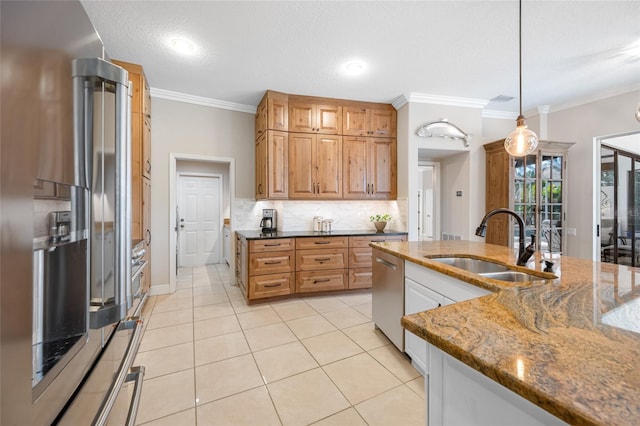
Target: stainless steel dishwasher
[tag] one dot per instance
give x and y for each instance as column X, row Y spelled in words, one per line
column 388, row 295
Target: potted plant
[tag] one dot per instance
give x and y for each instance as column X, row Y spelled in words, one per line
column 380, row 221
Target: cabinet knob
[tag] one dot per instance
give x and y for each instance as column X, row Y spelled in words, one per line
column 148, row 166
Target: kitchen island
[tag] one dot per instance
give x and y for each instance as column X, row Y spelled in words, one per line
column 568, row 344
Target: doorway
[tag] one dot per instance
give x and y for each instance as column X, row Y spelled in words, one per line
column 619, row 199
column 199, row 219
column 197, row 164
column 428, row 201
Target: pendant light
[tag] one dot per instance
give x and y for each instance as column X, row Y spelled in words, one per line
column 521, row 141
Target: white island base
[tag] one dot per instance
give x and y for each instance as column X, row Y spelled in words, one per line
column 459, row 395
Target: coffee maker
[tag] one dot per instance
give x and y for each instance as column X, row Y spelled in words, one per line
column 269, row 222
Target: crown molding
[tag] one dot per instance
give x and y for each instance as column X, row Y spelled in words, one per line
column 199, row 100
column 423, row 98
column 503, row 115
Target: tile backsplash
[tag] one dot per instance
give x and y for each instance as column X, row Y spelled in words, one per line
column 298, row 215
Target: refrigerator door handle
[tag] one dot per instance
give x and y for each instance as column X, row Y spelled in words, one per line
column 136, row 374
column 123, row 372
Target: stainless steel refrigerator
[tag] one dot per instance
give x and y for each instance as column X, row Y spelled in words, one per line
column 66, row 343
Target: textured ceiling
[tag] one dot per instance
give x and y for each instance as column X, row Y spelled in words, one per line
column 572, row 50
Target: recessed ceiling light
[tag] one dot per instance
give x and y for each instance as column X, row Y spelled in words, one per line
column 182, row 45
column 354, row 67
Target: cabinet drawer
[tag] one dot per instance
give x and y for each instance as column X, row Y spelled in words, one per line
column 321, row 281
column 311, row 260
column 271, row 285
column 360, row 278
column 276, row 244
column 360, row 257
column 271, row 262
column 321, row 243
column 364, row 241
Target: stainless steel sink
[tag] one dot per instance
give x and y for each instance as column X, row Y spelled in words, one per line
column 488, row 269
column 477, row 266
column 512, row 276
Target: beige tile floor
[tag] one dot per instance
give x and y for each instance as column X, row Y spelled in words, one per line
column 213, row 360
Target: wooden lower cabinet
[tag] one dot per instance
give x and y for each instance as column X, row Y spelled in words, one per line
column 313, row 281
column 360, row 277
column 271, row 285
column 284, row 266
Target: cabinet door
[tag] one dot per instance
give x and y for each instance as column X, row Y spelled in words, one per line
column 271, row 285
column 302, row 174
column 302, row 117
column 261, row 118
column 312, row 281
column 137, row 231
column 271, row 262
column 354, row 121
column 360, row 278
column 355, row 183
column 146, row 147
column 418, row 298
column 277, row 118
column 328, row 164
column 146, row 225
column 261, row 167
column 322, row 259
column 277, row 164
column 382, row 123
column 328, row 119
column 381, row 166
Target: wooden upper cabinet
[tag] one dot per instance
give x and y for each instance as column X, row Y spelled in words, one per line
column 272, row 165
column 146, row 147
column 308, row 117
column 261, row 167
column 369, row 168
column 366, row 121
column 272, row 112
column 315, row 166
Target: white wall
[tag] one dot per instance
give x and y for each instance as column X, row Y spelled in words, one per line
column 183, row 128
column 581, row 124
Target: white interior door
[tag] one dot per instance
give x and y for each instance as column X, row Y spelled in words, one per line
column 200, row 222
column 427, row 228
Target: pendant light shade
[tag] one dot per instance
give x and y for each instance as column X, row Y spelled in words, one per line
column 638, row 112
column 521, row 141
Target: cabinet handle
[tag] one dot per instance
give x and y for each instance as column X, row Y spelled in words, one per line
column 148, row 237
column 377, row 241
column 273, row 262
column 386, row 263
column 318, row 188
column 439, row 305
column 260, row 188
column 322, row 259
column 273, row 285
column 272, row 245
column 148, row 166
column 324, row 280
column 322, row 242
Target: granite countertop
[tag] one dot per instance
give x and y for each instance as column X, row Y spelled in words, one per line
column 258, row 235
column 568, row 344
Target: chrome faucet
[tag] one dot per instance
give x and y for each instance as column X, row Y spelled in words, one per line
column 524, row 254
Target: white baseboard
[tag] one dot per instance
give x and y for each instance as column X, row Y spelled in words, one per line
column 156, row 290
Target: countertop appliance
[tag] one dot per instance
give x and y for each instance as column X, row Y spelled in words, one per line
column 66, row 343
column 269, row 222
column 387, row 293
